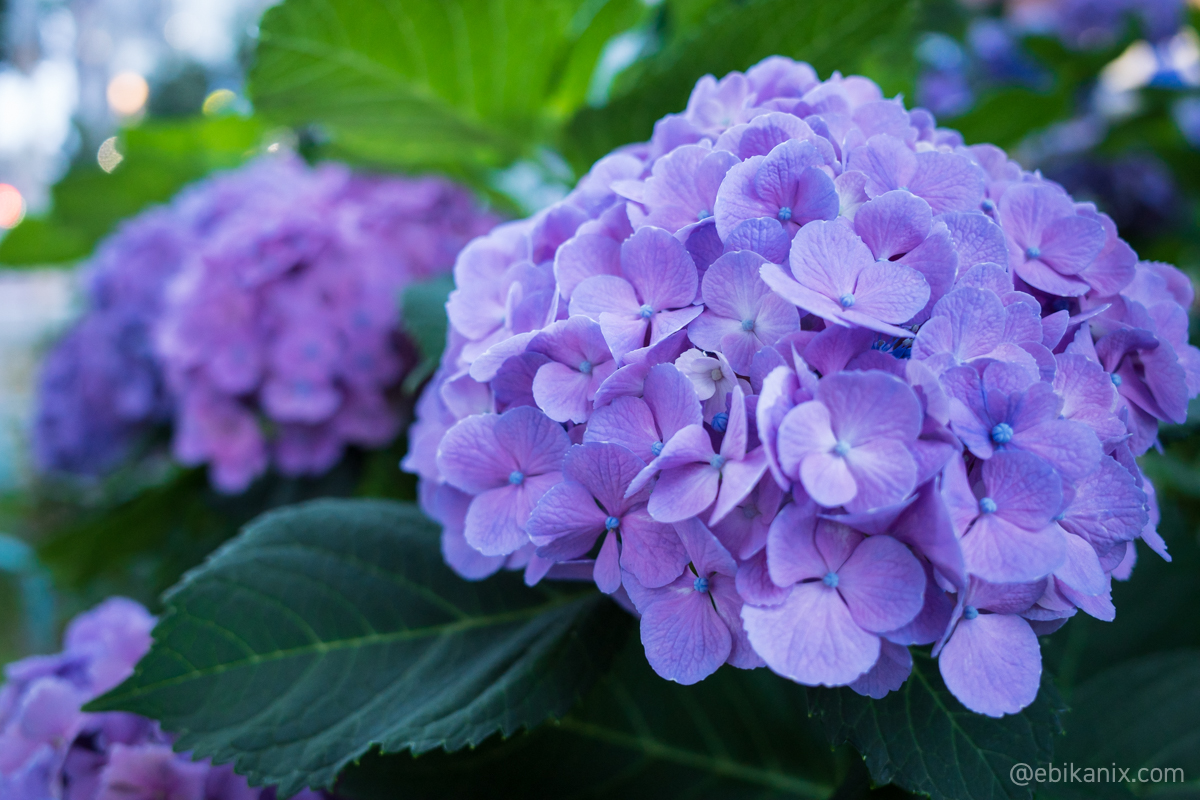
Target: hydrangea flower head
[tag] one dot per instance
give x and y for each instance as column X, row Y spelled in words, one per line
column 49, row 747
column 809, row 381
column 257, row 314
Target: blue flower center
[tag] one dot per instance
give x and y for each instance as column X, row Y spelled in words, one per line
column 747, row 325
column 1002, row 433
column 842, row 448
column 970, row 612
column 784, row 214
column 830, row 580
column 987, row 205
column 703, row 215
column 716, row 375
column 1033, row 252
column 717, row 461
column 656, row 448
column 646, row 312
column 612, row 523
column 987, row 505
column 516, row 477
column 1116, row 379
column 700, row 584
column 720, row 422
column 847, row 300
column 585, row 367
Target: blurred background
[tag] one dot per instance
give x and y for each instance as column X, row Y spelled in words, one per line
column 73, row 75
column 109, row 107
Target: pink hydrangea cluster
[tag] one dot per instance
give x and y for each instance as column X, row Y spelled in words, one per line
column 49, row 748
column 807, row 380
column 259, row 314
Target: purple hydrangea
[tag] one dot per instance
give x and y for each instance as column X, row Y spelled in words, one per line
column 992, row 52
column 100, row 387
column 804, row 381
column 1088, row 24
column 257, row 315
column 49, row 747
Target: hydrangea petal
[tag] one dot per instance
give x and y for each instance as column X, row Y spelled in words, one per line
column 650, row 550
column 882, row 583
column 889, row 673
column 811, row 637
column 992, row 664
column 684, row 638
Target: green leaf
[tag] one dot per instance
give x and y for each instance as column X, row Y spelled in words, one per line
column 337, row 622
column 1143, row 713
column 424, row 315
column 872, row 37
column 921, row 738
column 159, row 158
column 736, row 734
column 453, row 85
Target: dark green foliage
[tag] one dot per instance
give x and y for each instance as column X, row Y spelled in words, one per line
column 737, row 734
column 1143, row 713
column 337, row 622
column 924, row 740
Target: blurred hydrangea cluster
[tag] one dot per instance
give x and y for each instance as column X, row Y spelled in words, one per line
column 49, row 748
column 991, row 51
column 258, row 314
column 807, row 380
column 1095, row 23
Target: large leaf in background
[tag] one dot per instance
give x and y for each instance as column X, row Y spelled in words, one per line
column 873, row 37
column 337, row 622
column 1143, row 713
column 921, row 738
column 454, row 85
column 159, row 158
column 736, row 734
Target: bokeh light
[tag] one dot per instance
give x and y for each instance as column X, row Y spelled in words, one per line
column 218, row 101
column 12, row 206
column 127, row 93
column 108, row 157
